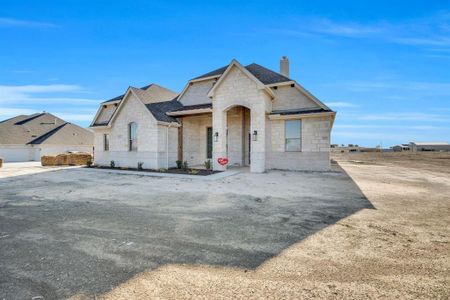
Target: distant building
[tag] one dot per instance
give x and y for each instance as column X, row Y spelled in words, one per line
column 28, row 137
column 352, row 148
column 345, row 149
column 401, row 147
column 429, row 146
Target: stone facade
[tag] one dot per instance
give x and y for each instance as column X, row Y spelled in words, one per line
column 247, row 120
column 288, row 97
column 314, row 154
column 238, row 89
column 151, row 139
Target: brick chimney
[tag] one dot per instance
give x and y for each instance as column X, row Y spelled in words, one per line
column 284, row 66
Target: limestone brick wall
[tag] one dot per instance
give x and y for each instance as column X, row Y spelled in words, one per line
column 197, row 93
column 105, row 113
column 147, row 135
column 237, row 89
column 194, row 138
column 100, row 157
column 169, row 161
column 315, row 153
column 235, row 136
column 288, row 97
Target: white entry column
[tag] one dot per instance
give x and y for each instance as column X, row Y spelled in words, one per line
column 258, row 139
column 219, row 123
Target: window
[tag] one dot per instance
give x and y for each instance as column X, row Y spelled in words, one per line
column 293, row 134
column 106, row 142
column 209, row 138
column 132, row 136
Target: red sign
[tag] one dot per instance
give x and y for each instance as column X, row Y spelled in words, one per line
column 222, row 161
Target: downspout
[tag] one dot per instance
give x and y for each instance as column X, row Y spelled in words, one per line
column 167, row 146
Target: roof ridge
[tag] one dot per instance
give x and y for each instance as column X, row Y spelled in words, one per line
column 9, row 119
column 46, row 135
column 265, row 68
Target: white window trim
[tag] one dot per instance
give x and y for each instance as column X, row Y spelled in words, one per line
column 130, row 140
column 300, row 138
column 105, row 137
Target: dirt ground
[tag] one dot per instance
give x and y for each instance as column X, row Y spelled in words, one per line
column 73, row 231
column 377, row 228
column 400, row 249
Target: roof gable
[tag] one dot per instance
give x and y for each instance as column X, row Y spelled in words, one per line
column 149, row 94
column 235, row 63
column 263, row 74
column 32, row 129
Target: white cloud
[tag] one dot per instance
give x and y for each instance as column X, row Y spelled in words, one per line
column 28, row 99
column 71, row 117
column 405, row 116
column 431, row 31
column 27, row 94
column 371, row 126
column 392, row 86
column 6, row 112
column 11, row 22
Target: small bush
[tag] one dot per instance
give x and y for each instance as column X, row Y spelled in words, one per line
column 162, row 170
column 185, row 165
column 207, row 164
column 179, row 164
column 193, row 171
column 112, row 164
column 140, row 165
column 89, row 163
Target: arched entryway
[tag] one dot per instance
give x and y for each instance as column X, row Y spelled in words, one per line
column 242, row 138
column 238, row 136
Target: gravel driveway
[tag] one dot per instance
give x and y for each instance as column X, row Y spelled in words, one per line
column 72, row 231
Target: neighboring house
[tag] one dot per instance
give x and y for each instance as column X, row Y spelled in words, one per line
column 429, row 146
column 249, row 114
column 28, row 137
column 401, row 147
column 335, row 148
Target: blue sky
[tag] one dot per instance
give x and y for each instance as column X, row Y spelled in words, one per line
column 383, row 65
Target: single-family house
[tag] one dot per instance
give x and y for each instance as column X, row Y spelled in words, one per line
column 28, row 137
column 250, row 115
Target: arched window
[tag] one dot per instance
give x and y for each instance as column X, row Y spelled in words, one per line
column 132, row 136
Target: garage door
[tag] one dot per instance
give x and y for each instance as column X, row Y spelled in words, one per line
column 17, row 154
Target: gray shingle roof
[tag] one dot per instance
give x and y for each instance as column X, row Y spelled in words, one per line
column 42, row 138
column 190, row 107
column 299, row 111
column 42, row 127
column 123, row 95
column 159, row 110
column 263, row 74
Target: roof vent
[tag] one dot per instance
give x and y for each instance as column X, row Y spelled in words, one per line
column 284, row 66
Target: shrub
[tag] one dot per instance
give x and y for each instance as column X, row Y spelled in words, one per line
column 185, row 165
column 140, row 164
column 193, row 171
column 112, row 164
column 162, row 170
column 207, row 164
column 89, row 163
column 179, row 164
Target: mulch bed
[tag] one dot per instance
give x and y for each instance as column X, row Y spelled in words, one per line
column 199, row 172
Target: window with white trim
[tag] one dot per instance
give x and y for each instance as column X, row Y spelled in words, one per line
column 106, row 142
column 293, row 135
column 132, row 136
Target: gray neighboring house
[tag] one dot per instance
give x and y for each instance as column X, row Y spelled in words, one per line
column 28, row 137
column 250, row 115
column 429, row 146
